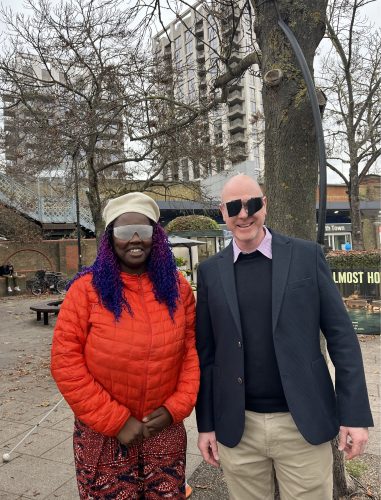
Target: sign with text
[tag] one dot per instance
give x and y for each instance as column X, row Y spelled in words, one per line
column 360, row 290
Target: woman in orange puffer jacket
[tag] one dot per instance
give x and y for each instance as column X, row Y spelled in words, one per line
column 124, row 358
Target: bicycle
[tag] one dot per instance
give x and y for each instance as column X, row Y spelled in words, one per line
column 44, row 281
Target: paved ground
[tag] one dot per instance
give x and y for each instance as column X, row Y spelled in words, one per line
column 42, row 466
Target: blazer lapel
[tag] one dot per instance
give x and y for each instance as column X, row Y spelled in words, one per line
column 226, row 267
column 281, row 252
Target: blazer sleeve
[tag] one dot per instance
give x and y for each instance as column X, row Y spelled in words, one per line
column 181, row 403
column 90, row 402
column 206, row 352
column 344, row 350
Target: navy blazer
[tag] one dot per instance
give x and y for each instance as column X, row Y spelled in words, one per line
column 305, row 300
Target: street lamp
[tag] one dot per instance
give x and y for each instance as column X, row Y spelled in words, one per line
column 78, row 222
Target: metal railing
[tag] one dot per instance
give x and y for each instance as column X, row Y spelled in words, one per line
column 44, row 209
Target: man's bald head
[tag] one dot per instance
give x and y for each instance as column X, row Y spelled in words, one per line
column 240, row 186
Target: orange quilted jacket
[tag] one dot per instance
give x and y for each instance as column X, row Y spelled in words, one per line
column 108, row 370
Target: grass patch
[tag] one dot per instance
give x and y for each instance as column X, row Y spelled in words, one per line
column 355, row 468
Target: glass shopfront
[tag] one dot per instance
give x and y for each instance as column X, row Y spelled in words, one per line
column 337, row 236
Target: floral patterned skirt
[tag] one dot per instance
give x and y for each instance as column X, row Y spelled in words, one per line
column 152, row 469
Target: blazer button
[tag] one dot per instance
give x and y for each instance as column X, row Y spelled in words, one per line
column 239, row 344
column 240, row 380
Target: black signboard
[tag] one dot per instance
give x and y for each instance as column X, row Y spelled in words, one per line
column 360, row 290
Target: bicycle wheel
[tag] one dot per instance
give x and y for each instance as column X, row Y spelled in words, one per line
column 38, row 288
column 61, row 285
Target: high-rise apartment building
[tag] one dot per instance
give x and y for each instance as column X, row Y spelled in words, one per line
column 190, row 48
column 24, row 143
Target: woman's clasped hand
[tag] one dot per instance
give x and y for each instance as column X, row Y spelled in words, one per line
column 134, row 431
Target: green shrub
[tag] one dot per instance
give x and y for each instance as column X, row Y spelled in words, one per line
column 191, row 223
column 354, row 259
column 180, row 261
column 355, row 468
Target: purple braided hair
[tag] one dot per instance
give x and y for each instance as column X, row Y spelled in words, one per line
column 161, row 267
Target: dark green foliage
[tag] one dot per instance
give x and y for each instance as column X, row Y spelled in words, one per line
column 354, row 259
column 191, row 223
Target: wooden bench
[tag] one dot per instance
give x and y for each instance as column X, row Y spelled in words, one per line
column 52, row 307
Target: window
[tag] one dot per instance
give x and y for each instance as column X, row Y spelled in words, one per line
column 191, row 90
column 180, row 91
column 190, row 68
column 205, row 251
column 196, row 170
column 185, row 169
column 175, row 172
column 337, row 241
column 214, row 43
column 177, row 56
column 218, row 131
column 45, row 75
column 211, row 28
column 220, row 165
column 27, row 70
column 177, row 42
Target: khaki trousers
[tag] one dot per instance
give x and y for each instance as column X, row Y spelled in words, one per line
column 304, row 471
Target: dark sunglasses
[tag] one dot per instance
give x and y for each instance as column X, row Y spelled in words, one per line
column 126, row 233
column 251, row 206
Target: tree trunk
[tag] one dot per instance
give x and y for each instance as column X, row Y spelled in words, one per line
column 95, row 202
column 291, row 172
column 343, row 485
column 354, row 203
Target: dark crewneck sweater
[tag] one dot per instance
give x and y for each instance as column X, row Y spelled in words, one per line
column 263, row 386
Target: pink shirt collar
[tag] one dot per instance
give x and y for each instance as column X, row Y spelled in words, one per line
column 264, row 247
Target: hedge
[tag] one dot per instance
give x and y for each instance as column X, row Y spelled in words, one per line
column 191, row 222
column 354, row 259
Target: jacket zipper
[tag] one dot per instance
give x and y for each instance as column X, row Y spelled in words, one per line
column 141, row 293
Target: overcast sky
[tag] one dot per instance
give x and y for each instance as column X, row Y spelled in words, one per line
column 373, row 10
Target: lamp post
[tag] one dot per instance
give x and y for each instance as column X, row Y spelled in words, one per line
column 78, row 222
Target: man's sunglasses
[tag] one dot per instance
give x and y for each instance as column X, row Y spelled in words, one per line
column 251, row 206
column 126, row 233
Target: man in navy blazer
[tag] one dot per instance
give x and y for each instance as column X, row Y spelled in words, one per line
column 266, row 396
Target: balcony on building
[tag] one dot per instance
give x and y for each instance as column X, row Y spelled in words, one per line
column 167, row 53
column 226, row 28
column 234, row 14
column 202, row 83
column 235, row 57
column 238, row 153
column 235, row 96
column 199, row 28
column 237, row 85
column 235, row 47
column 238, row 138
column 199, row 44
column 200, row 56
column 235, row 111
column 237, row 125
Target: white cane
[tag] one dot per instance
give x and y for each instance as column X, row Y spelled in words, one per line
column 7, row 456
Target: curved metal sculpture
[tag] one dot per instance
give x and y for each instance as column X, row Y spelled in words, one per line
column 318, row 125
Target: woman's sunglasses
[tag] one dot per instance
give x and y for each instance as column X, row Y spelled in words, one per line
column 126, row 233
column 251, row 206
